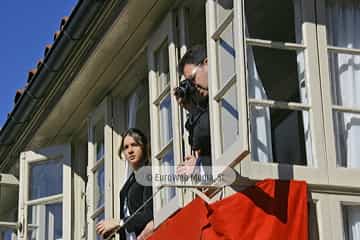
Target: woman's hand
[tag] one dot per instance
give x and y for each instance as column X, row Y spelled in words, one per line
column 105, row 227
column 148, row 230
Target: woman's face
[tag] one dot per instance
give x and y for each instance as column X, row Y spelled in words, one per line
column 133, row 152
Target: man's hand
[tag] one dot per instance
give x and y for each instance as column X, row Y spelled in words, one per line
column 147, row 231
column 187, row 167
column 181, row 102
column 105, row 227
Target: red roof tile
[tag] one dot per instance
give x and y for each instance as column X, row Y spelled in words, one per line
column 47, row 49
column 18, row 94
column 31, row 73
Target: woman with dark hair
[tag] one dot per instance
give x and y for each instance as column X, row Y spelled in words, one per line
column 133, row 195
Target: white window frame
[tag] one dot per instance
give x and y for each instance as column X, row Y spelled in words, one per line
column 136, row 66
column 240, row 148
column 250, row 168
column 321, row 201
column 336, row 202
column 102, row 112
column 329, row 211
column 43, row 155
column 164, row 31
column 183, row 39
column 9, row 226
column 13, row 182
column 340, row 176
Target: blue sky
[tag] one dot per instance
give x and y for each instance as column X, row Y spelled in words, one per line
column 26, row 27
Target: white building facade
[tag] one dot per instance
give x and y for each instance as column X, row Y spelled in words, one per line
column 284, row 80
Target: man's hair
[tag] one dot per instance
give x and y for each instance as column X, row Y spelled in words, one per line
column 194, row 55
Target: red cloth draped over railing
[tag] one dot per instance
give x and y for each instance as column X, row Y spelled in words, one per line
column 269, row 210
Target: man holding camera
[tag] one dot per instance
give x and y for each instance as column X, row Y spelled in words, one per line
column 192, row 94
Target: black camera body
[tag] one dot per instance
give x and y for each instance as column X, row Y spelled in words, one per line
column 186, row 90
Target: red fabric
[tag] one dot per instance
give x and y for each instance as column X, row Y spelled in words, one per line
column 186, row 224
column 269, row 210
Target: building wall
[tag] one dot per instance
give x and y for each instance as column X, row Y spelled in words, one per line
column 270, row 101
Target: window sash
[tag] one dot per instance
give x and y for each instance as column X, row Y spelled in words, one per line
column 313, row 174
column 164, row 32
column 340, row 176
column 42, row 155
column 103, row 113
column 240, row 147
column 336, row 204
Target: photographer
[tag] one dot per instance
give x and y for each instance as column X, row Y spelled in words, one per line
column 192, row 94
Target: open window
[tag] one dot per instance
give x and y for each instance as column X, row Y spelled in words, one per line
column 279, row 87
column 45, row 194
column 99, row 186
column 227, row 90
column 164, row 115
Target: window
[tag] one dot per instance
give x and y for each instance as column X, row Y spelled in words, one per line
column 9, row 204
column 45, row 193
column 351, row 218
column 320, row 217
column 164, row 115
column 227, row 96
column 8, row 233
column 345, row 215
column 99, row 185
column 339, row 47
column 264, row 89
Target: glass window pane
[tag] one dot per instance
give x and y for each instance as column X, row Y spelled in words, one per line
column 99, row 140
column 261, row 17
column 276, row 74
column 99, row 190
column 347, row 137
column 7, row 234
column 351, row 216
column 46, row 178
column 345, row 79
column 162, row 66
column 165, row 121
column 9, row 196
column 281, row 136
column 167, row 166
column 342, row 23
column 48, row 220
column 226, row 55
column 229, row 118
column 223, row 9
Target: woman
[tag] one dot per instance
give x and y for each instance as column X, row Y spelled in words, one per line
column 133, row 195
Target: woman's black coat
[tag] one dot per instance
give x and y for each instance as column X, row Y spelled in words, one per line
column 136, row 195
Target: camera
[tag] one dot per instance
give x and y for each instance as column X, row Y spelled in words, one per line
column 185, row 90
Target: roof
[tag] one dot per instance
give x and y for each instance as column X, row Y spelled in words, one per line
column 42, row 80
column 40, row 62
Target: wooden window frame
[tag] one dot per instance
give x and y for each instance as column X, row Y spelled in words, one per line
column 240, row 148
column 322, row 204
column 340, row 176
column 256, row 170
column 163, row 32
column 43, row 155
column 102, row 112
column 336, row 203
